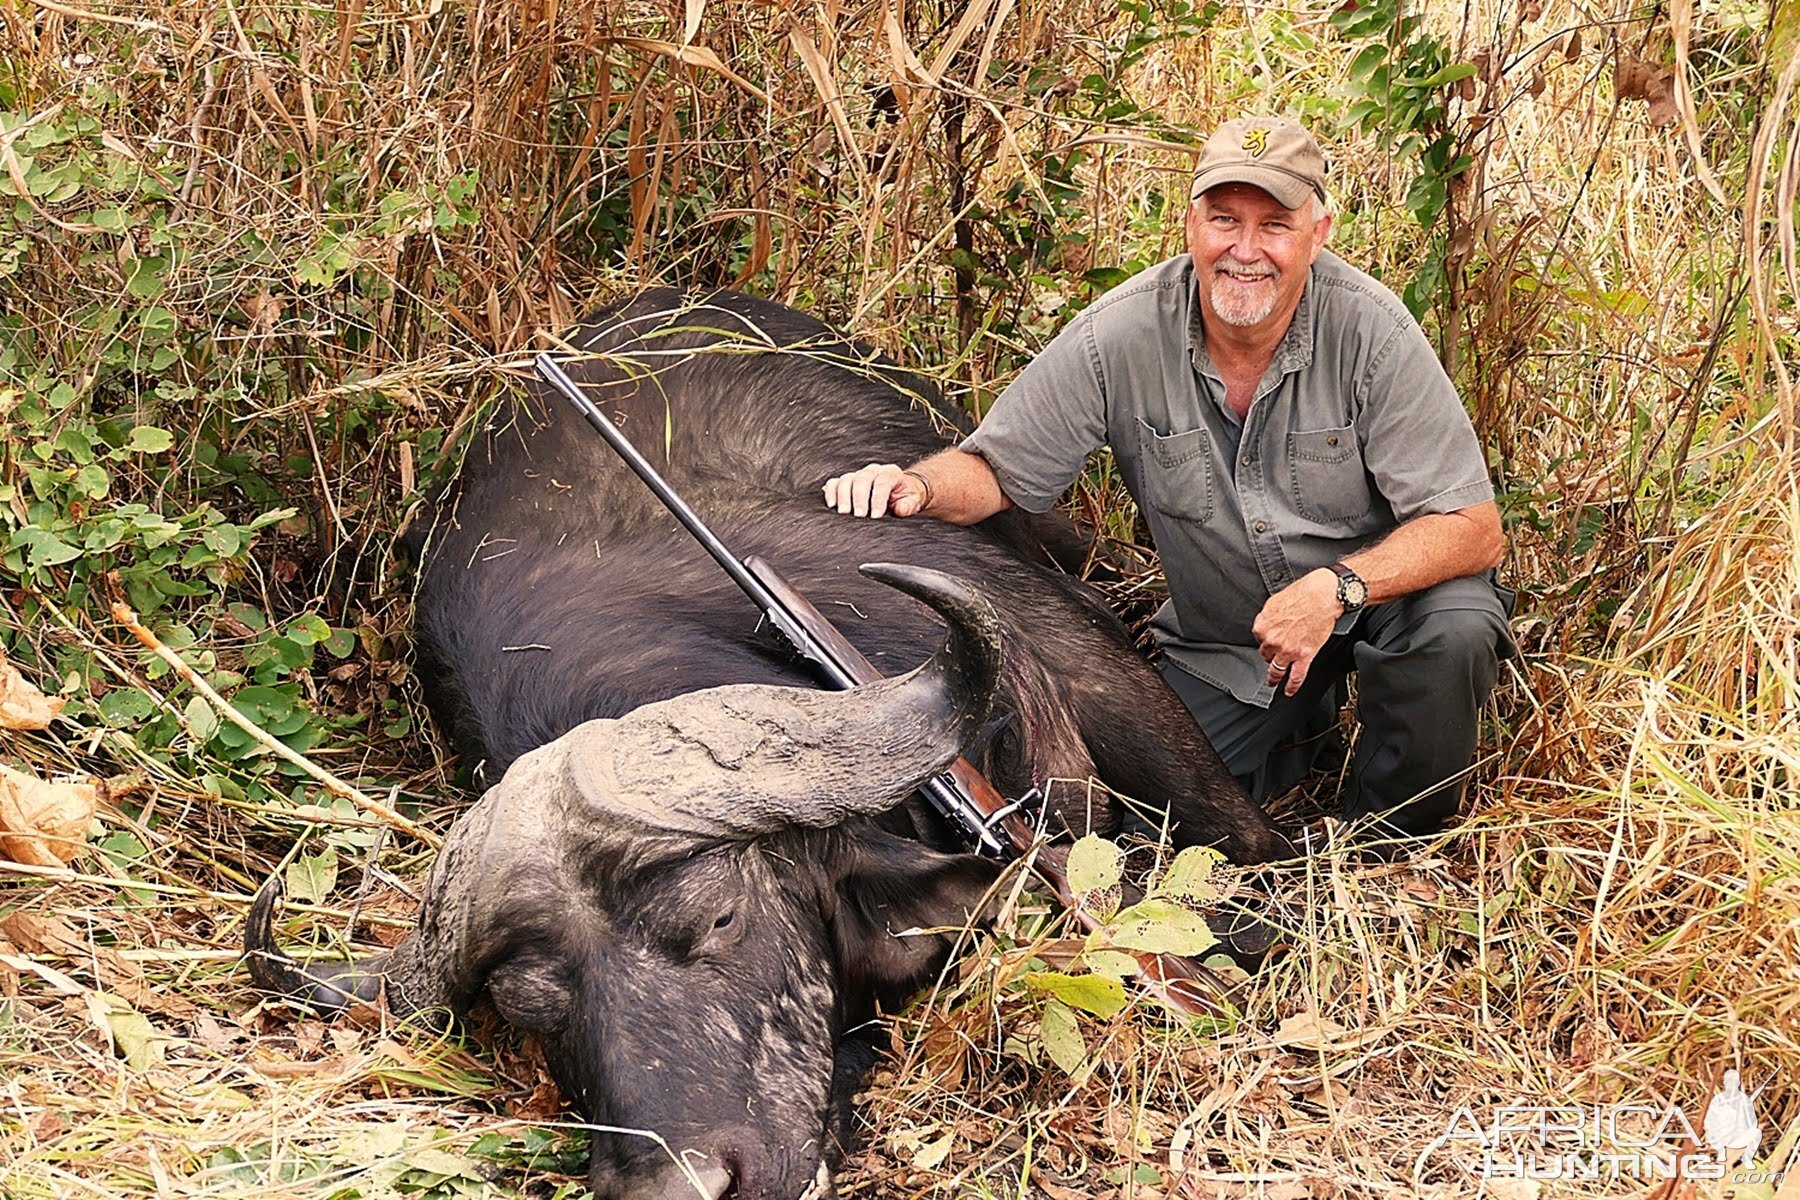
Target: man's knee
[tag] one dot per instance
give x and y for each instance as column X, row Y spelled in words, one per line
column 1460, row 636
column 1450, row 643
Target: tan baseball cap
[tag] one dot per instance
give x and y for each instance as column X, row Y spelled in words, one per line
column 1273, row 153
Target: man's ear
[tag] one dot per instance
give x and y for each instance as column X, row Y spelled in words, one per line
column 890, row 887
column 1321, row 228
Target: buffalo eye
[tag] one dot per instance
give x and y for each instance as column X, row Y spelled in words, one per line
column 726, row 928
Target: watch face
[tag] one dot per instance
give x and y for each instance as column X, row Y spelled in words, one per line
column 1352, row 592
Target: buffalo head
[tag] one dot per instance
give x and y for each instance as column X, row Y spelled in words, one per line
column 690, row 905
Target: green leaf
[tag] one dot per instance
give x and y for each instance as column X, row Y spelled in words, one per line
column 146, row 281
column 1189, row 877
column 133, row 1036
column 1162, row 927
column 1062, row 1038
column 1437, row 79
column 308, row 629
column 202, row 721
column 270, row 517
column 47, row 550
column 1114, row 964
column 340, row 643
column 248, row 615
column 92, row 481
column 148, row 439
column 312, row 876
column 125, row 706
column 1094, row 862
column 1367, row 59
column 272, row 709
column 292, row 655
column 222, row 540
column 123, row 848
column 1103, row 997
column 373, row 1145
column 434, row 1161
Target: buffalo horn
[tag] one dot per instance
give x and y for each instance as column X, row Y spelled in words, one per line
column 324, row 989
column 745, row 760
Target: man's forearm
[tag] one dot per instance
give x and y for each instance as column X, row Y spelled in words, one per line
column 963, row 489
column 1430, row 549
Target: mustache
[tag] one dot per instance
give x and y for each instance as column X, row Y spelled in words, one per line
column 1258, row 270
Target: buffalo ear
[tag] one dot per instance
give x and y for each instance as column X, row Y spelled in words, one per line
column 890, row 887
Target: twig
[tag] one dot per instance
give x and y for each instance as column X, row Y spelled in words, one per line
column 122, row 613
column 70, row 875
column 82, row 14
column 368, row 875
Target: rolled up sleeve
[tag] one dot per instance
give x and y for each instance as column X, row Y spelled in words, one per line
column 1419, row 446
column 1039, row 433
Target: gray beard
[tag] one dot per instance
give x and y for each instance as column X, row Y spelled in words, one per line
column 1234, row 308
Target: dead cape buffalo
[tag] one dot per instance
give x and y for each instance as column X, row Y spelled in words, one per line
column 692, row 896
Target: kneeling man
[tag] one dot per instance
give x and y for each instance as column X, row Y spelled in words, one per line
column 1314, row 486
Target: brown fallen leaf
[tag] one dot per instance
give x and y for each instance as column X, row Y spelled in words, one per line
column 41, row 935
column 1308, row 1030
column 1661, row 94
column 22, row 706
column 544, row 1104
column 323, row 1068
column 43, row 824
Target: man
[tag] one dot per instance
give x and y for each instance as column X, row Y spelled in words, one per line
column 1305, row 466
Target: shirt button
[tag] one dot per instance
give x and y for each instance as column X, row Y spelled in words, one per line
column 1245, row 460
column 1332, row 440
column 1262, row 527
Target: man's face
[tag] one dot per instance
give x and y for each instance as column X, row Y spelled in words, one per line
column 1251, row 256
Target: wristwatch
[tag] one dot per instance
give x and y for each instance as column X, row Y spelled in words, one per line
column 1352, row 592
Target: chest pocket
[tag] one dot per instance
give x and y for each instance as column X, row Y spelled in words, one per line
column 1327, row 473
column 1177, row 470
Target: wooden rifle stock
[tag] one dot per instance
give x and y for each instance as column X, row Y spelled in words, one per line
column 1179, row 982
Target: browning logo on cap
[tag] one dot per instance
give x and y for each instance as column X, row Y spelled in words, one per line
column 1256, row 140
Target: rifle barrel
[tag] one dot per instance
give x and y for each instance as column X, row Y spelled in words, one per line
column 843, row 665
column 552, row 373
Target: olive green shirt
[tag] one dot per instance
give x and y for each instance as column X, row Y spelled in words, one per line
column 1354, row 429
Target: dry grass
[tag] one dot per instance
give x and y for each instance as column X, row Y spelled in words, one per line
column 1619, row 922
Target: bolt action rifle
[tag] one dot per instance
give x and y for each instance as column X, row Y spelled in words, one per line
column 994, row 825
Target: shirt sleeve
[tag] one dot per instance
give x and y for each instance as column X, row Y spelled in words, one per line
column 1039, row 433
column 1418, row 443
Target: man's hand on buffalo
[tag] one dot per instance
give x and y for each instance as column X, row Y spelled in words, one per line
column 1294, row 626
column 952, row 485
column 878, row 489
